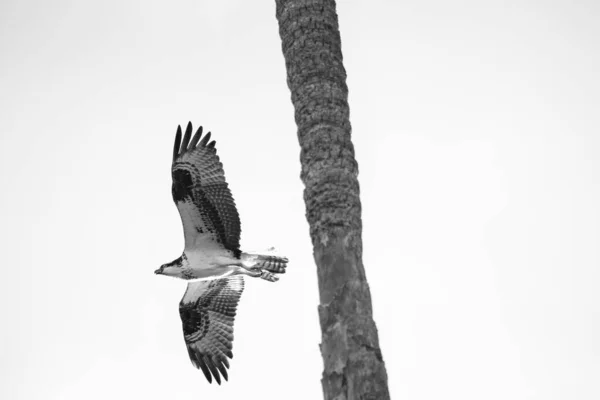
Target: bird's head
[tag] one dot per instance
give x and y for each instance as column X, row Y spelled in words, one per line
column 174, row 268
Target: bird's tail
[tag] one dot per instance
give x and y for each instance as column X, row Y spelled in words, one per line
column 271, row 263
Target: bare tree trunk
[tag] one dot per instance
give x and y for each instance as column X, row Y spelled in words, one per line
column 354, row 368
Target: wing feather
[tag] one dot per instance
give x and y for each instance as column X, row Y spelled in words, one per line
column 207, row 309
column 186, row 137
column 205, row 139
column 201, row 193
column 177, row 141
column 196, row 137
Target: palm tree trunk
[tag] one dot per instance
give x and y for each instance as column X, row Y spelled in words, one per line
column 354, row 368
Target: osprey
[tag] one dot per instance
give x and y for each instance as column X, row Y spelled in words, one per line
column 212, row 261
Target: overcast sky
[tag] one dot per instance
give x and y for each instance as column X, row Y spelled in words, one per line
column 476, row 126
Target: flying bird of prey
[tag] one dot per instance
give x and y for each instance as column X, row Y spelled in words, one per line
column 212, row 261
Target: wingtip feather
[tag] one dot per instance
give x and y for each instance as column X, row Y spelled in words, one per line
column 198, row 362
column 205, row 139
column 187, row 136
column 211, row 366
column 206, row 372
column 196, row 138
column 222, row 369
column 177, row 142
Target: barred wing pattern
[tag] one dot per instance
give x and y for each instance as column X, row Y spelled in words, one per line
column 201, row 193
column 207, row 312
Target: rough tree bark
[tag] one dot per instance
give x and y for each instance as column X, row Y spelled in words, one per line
column 353, row 365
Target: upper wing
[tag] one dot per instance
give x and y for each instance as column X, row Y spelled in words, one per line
column 201, row 192
column 207, row 312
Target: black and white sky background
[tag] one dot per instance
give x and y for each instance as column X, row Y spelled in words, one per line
column 477, row 132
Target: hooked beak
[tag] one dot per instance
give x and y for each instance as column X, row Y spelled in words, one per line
column 159, row 271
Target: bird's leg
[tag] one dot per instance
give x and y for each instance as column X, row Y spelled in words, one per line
column 253, row 272
column 267, row 276
column 258, row 273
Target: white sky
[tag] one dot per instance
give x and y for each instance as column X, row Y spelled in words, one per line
column 477, row 132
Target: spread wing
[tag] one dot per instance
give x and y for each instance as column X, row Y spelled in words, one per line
column 207, row 312
column 201, row 193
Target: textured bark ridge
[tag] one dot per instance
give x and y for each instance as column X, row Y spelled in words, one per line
column 311, row 45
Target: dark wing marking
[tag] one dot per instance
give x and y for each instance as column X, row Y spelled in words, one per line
column 207, row 311
column 201, row 193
